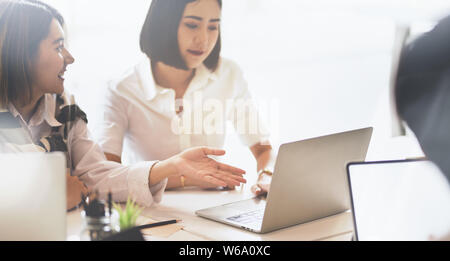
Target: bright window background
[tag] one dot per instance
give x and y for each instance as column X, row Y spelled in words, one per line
column 326, row 63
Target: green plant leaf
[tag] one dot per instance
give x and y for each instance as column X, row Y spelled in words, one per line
column 129, row 215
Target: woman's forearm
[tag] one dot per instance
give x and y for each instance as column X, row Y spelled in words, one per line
column 174, row 182
column 161, row 170
column 265, row 160
column 264, row 155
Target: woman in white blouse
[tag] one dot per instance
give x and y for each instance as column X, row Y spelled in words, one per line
column 183, row 94
column 36, row 115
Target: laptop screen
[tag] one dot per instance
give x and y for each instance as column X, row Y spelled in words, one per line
column 399, row 200
column 33, row 196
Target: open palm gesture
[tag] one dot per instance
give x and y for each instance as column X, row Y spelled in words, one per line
column 194, row 163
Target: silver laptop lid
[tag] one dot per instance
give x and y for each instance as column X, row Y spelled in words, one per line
column 32, row 196
column 399, row 200
column 310, row 180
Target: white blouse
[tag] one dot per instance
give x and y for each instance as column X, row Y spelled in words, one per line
column 144, row 114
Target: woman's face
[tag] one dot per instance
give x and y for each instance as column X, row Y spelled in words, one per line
column 50, row 64
column 198, row 31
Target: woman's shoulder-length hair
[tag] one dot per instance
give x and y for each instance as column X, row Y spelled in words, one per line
column 24, row 24
column 159, row 34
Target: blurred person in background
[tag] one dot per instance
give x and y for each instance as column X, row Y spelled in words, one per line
column 423, row 93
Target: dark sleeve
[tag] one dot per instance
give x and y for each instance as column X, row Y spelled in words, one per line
column 423, row 92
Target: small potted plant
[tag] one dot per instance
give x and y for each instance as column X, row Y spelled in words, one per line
column 128, row 215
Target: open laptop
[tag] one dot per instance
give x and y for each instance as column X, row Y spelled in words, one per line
column 32, row 196
column 309, row 182
column 399, row 200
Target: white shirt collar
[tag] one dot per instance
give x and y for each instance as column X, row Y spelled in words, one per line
column 151, row 89
column 45, row 111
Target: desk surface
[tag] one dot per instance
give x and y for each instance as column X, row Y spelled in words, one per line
column 182, row 204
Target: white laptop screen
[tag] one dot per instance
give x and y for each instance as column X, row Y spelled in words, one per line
column 33, row 196
column 399, row 200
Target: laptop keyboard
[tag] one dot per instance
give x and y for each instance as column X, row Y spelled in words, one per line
column 255, row 216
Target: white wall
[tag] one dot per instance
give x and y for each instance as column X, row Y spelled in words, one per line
column 325, row 62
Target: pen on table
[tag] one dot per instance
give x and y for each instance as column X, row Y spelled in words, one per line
column 157, row 224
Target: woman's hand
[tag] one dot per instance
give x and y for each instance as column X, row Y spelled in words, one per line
column 265, row 158
column 203, row 184
column 195, row 164
column 262, row 186
column 200, row 183
column 74, row 188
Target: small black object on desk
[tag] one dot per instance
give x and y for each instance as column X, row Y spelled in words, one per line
column 131, row 234
column 95, row 207
column 97, row 223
